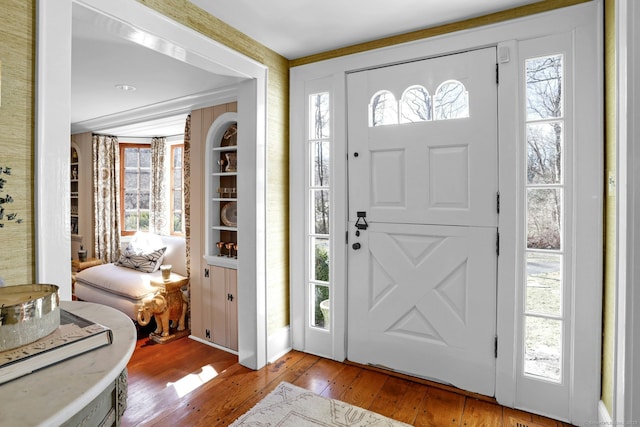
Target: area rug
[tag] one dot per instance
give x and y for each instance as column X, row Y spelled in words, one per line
column 291, row 406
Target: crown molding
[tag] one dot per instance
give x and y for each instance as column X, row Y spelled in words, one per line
column 157, row 111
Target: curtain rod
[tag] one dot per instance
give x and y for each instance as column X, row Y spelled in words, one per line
column 148, row 137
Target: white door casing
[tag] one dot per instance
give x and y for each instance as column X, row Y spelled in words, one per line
column 584, row 22
column 422, row 282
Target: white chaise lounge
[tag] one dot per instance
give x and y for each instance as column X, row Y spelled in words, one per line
column 121, row 287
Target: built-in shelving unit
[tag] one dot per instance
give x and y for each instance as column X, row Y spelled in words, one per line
column 215, row 311
column 74, row 175
column 224, row 199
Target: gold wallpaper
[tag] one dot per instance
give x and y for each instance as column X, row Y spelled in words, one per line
column 608, row 350
column 277, row 198
column 17, row 35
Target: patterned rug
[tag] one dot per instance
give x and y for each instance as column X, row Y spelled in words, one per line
column 291, row 406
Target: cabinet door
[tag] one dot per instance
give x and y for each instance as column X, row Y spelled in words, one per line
column 232, row 309
column 218, row 305
column 223, row 285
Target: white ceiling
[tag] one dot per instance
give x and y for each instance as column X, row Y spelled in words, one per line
column 303, row 27
column 102, row 57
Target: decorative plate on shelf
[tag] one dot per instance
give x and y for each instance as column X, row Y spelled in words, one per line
column 229, row 214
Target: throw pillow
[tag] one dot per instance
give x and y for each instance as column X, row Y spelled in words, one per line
column 147, row 262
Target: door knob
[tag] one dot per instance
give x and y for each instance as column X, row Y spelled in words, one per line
column 356, row 246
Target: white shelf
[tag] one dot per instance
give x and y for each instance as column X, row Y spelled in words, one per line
column 226, row 148
column 225, row 173
column 224, row 199
column 222, row 261
column 224, row 228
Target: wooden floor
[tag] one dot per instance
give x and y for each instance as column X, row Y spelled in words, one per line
column 186, row 383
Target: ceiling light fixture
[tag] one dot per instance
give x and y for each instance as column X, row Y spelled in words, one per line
column 126, row 88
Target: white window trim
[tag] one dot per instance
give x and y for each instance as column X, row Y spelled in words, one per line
column 325, row 343
column 581, row 19
column 626, row 381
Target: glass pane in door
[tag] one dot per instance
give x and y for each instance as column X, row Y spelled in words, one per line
column 543, row 348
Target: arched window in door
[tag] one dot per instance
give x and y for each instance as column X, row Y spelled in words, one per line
column 383, row 109
column 451, row 101
column 416, row 105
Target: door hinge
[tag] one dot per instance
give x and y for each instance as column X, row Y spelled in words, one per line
column 497, row 74
column 206, row 272
column 495, row 347
column 498, row 243
column 346, row 237
column 207, row 333
column 498, row 202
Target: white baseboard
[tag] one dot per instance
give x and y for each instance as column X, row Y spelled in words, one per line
column 603, row 414
column 210, row 344
column 278, row 344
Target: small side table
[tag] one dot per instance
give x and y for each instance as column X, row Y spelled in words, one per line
column 172, row 290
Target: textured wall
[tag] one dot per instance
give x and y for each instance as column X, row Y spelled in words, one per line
column 608, row 334
column 17, row 34
column 277, row 237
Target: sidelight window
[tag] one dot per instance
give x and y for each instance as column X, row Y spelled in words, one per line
column 544, row 316
column 318, row 202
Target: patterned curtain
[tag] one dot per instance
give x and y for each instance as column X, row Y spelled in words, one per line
column 186, row 183
column 106, row 186
column 158, row 212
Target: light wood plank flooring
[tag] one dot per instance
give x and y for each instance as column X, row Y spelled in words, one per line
column 187, row 383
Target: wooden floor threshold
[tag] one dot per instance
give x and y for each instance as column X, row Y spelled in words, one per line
column 430, row 383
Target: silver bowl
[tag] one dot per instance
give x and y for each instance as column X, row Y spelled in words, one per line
column 27, row 313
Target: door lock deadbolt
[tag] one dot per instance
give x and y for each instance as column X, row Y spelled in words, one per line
column 356, row 246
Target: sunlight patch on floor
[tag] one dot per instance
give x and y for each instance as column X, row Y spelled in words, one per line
column 188, row 383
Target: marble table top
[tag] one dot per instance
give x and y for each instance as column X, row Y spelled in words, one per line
column 54, row 394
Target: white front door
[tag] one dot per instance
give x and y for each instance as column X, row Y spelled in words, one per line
column 423, row 178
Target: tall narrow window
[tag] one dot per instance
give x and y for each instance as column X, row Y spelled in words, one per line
column 319, row 191
column 177, row 201
column 544, row 282
column 135, row 194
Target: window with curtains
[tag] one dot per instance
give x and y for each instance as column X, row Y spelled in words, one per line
column 177, row 199
column 135, row 187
